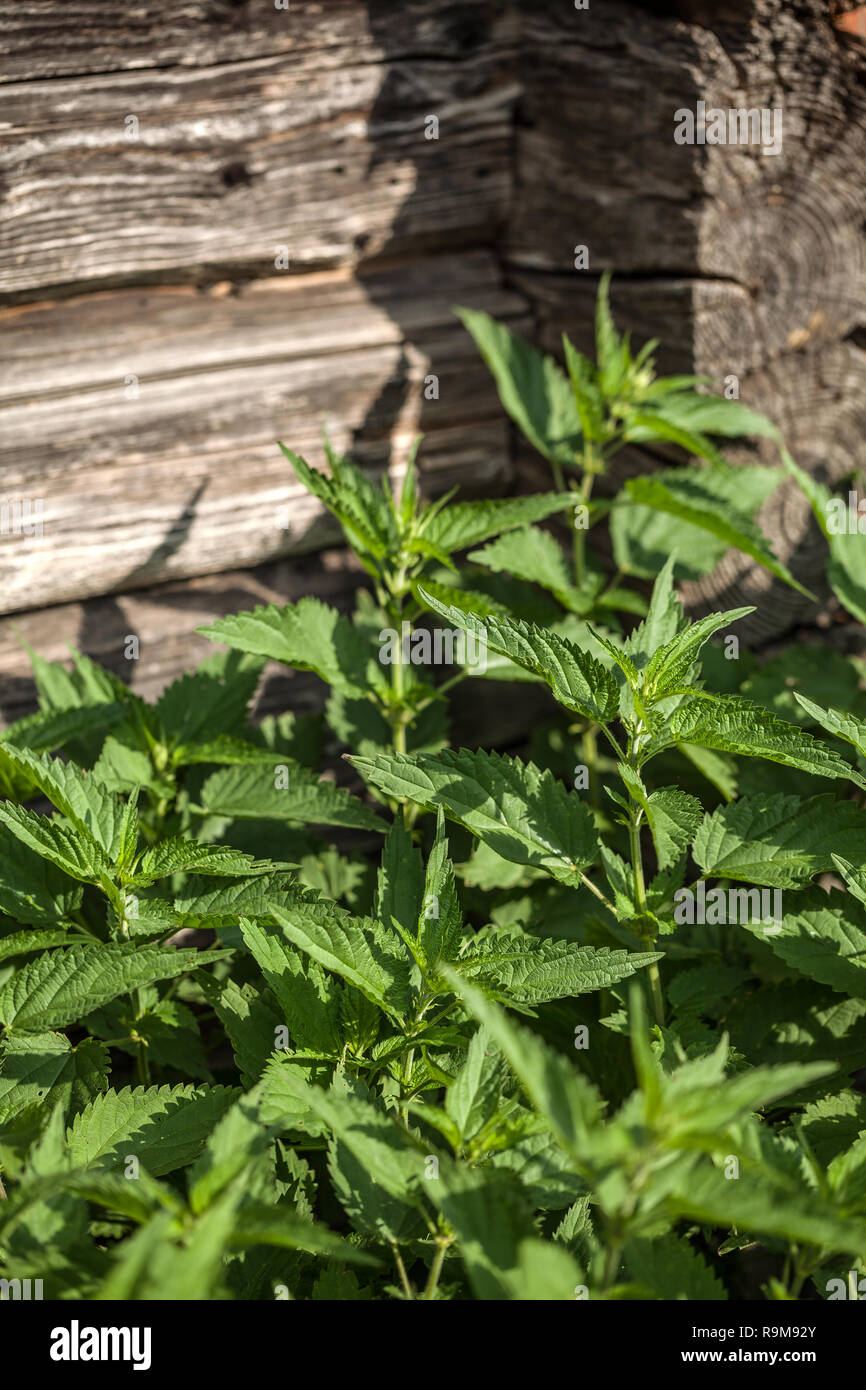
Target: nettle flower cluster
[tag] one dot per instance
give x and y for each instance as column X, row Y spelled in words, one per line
column 426, row 1022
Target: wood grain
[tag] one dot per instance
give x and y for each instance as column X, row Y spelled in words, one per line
column 190, row 172
column 57, row 38
column 597, row 164
column 185, row 477
column 741, row 263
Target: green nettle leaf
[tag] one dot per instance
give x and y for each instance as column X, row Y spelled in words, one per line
column 587, row 390
column 202, row 707
column 54, row 728
column 307, row 997
column 844, row 726
column 390, row 1154
column 670, row 665
column 44, row 1068
column 670, row 1268
column 611, row 349
column 779, row 840
column 536, row 557
column 578, row 681
column 358, row 949
column 473, row 1096
column 23, row 943
column 308, row 636
column 63, row 985
column 224, row 906
column 533, row 389
column 833, row 1123
column 761, row 1206
column 845, row 569
column 250, row 1020
column 286, row 791
column 77, row 855
column 854, row 877
column 824, row 937
column 164, row 1127
column 176, row 855
column 566, row 1099
column 363, row 510
column 673, row 816
column 522, row 813
column 400, row 882
column 239, row 1139
column 78, row 795
column 257, row 1224
column 733, row 725
column 816, row 672
column 87, row 684
column 684, row 495
column 440, row 919
column 661, row 624
column 504, row 1258
column 32, row 888
column 533, row 972
column 122, row 769
column 645, row 539
column 468, row 523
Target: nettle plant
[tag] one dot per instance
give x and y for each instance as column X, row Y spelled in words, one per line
column 549, row 1026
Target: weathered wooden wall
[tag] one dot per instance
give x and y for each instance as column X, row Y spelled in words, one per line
column 741, row 263
column 151, row 350
column 226, row 229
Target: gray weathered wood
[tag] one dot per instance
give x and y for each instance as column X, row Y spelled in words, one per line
column 185, row 477
column 741, row 263
column 195, row 172
column 56, row 38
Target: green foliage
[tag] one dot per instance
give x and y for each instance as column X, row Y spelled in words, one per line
column 522, row 1026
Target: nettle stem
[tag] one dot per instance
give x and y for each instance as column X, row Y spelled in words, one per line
column 653, row 976
column 611, row 1264
column 637, row 864
column 401, row 1270
column 398, row 723
column 398, row 715
column 658, row 1002
column 143, row 1062
column 584, row 493
column 442, row 1243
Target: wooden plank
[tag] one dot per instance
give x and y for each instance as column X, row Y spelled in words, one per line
column 56, row 38
column 597, row 164
column 197, row 173
column 176, row 471
column 595, row 160
column 742, row 264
